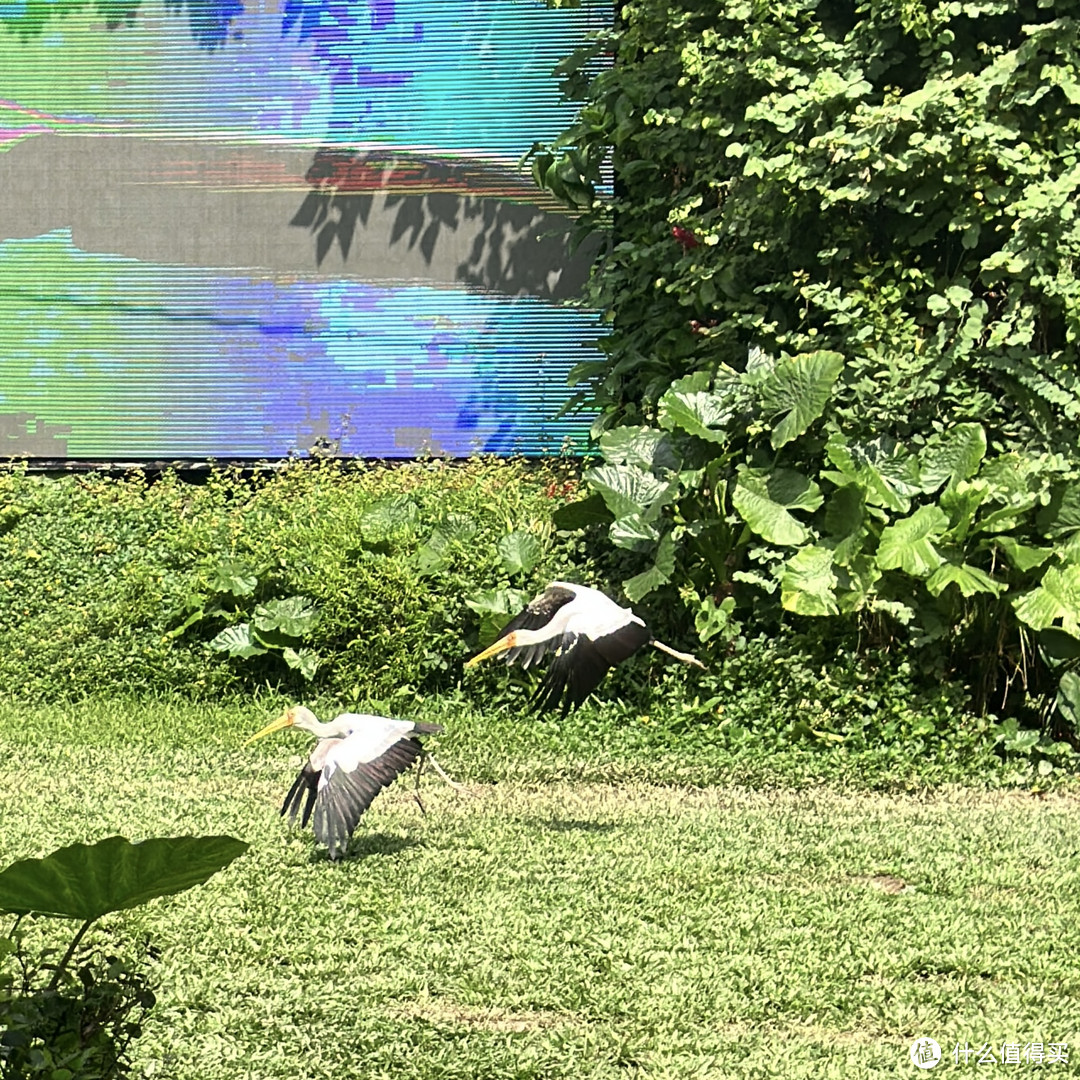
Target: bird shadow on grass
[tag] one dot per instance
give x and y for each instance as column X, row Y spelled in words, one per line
column 364, row 847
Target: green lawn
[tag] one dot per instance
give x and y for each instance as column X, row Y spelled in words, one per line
column 544, row 928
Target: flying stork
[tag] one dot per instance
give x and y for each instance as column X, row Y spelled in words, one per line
column 589, row 633
column 357, row 755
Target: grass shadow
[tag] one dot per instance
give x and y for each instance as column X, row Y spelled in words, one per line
column 363, row 847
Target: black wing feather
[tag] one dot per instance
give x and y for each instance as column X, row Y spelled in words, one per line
column 307, row 783
column 346, row 796
column 580, row 665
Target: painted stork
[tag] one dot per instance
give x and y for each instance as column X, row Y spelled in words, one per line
column 589, row 634
column 357, row 755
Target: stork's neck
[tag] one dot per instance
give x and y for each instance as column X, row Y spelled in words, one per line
column 334, row 729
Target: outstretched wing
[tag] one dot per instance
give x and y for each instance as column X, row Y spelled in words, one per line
column 356, row 769
column 306, row 783
column 534, row 616
column 581, row 663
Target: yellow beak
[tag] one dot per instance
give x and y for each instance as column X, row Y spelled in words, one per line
column 494, row 649
column 283, row 721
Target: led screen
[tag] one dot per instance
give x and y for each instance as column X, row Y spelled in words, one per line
column 250, row 229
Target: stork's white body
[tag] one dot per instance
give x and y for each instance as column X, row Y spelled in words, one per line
column 357, row 755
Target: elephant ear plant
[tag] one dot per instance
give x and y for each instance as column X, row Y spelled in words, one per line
column 65, row 1025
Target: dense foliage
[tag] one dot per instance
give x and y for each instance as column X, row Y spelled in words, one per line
column 841, row 379
column 362, row 582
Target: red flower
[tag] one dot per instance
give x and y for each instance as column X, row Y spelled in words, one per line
column 685, row 237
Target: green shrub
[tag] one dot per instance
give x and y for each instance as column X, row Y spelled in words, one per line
column 319, row 577
column 80, row 1029
column 841, row 379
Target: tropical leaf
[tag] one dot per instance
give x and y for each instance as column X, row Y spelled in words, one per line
column 658, row 574
column 237, row 641
column 86, row 881
column 386, row 516
column 1068, row 698
column 855, row 582
column 581, row 514
column 799, row 387
column 295, row 616
column 235, row 577
column 457, row 528
column 711, row 618
column 961, row 502
column 689, row 406
column 519, row 552
column 1062, row 514
column 970, row 580
column 768, row 518
column 627, row 489
column 1022, row 557
column 644, row 447
column 306, row 661
column 845, row 517
column 908, row 545
column 634, row 533
column 952, row 456
column 808, row 585
column 1057, row 597
column 495, row 606
column 885, row 472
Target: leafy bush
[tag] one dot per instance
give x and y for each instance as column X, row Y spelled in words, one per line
column 841, row 379
column 319, row 577
column 79, row 1026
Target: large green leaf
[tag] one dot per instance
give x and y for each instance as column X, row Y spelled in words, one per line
column 658, row 574
column 953, row 456
column 808, row 585
column 235, row 577
column 237, row 641
column 968, row 579
column 295, row 616
column 1057, row 597
column 306, row 661
column 1068, row 698
column 1023, row 557
column 495, row 606
column 634, row 533
column 770, row 519
column 961, row 501
column 799, row 387
column 885, row 472
column 519, row 552
column 387, row 515
column 845, row 517
column 642, row 446
column 908, row 545
column 1062, row 514
column 689, row 406
column 579, row 515
column 86, row 881
column 627, row 489
column 855, row 582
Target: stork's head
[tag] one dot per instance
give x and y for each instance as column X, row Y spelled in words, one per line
column 298, row 716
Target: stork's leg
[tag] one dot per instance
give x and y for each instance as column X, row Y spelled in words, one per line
column 430, row 758
column 416, row 790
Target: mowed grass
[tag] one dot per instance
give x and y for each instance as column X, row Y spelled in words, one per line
column 541, row 928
